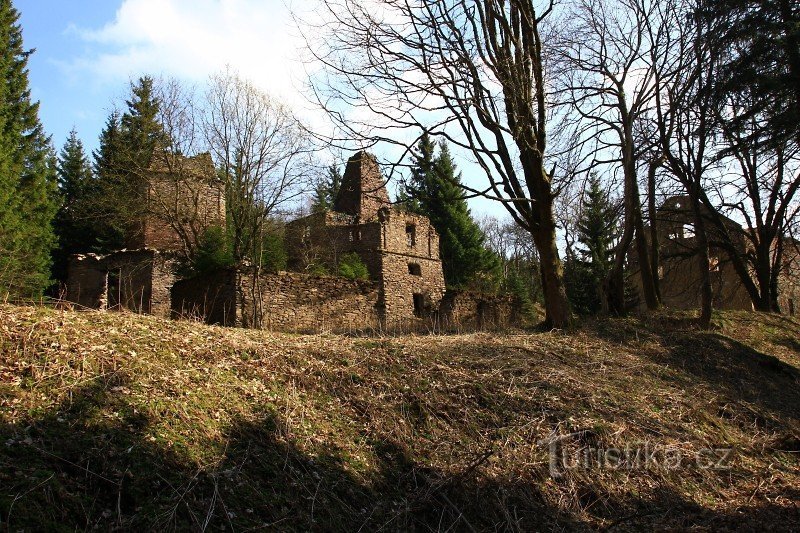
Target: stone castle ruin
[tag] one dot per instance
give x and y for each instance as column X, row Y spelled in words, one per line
column 405, row 290
column 678, row 269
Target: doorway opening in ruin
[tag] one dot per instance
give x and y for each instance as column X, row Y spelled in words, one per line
column 419, row 304
column 114, row 288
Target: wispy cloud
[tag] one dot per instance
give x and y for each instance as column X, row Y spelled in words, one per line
column 191, row 39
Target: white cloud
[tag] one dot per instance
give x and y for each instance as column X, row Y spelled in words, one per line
column 191, row 39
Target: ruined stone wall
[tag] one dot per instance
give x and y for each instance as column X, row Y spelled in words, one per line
column 87, row 281
column 679, row 274
column 468, row 311
column 363, row 189
column 299, row 303
column 182, row 198
column 137, row 281
column 412, row 279
column 287, row 302
column 680, row 280
column 211, row 297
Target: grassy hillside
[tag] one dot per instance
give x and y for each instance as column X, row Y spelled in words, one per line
column 128, row 422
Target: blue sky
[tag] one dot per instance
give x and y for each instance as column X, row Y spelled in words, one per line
column 50, row 26
column 87, row 51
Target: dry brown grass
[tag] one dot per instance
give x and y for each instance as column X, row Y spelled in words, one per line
column 116, row 420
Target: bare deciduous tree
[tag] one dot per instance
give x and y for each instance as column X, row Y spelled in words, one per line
column 470, row 71
column 262, row 153
column 607, row 69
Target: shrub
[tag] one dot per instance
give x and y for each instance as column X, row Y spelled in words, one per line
column 352, row 267
column 213, row 252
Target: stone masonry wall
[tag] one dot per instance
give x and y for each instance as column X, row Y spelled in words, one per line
column 210, row 297
column 412, row 280
column 181, row 194
column 299, row 303
column 467, row 311
column 363, row 189
column 288, row 302
column 87, row 281
column 137, row 281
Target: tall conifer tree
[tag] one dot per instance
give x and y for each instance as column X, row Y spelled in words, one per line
column 434, row 192
column 597, row 228
column 75, row 226
column 28, row 198
column 326, row 191
column 122, row 163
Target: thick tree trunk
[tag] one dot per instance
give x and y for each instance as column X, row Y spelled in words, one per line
column 645, row 267
column 556, row 305
column 703, row 263
column 652, row 209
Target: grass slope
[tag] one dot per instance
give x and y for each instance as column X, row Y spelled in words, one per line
column 116, row 421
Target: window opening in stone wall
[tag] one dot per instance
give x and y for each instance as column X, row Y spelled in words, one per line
column 688, row 231
column 351, row 236
column 419, row 304
column 791, row 307
column 411, row 234
column 713, row 264
column 414, row 269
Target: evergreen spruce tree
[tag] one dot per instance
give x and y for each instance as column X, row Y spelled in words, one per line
column 759, row 45
column 75, row 229
column 28, row 197
column 127, row 146
column 434, row 192
column 141, row 132
column 326, row 191
column 102, row 204
column 596, row 228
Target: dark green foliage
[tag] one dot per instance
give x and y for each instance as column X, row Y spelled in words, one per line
column 273, row 250
column 103, row 205
column 522, row 286
column 586, row 271
column 28, row 190
column 583, row 288
column 127, row 145
column 75, row 226
column 434, row 191
column 213, row 252
column 759, row 44
column 326, row 191
column 141, row 131
column 352, row 267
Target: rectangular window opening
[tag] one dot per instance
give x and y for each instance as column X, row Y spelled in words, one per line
column 414, row 269
column 411, row 234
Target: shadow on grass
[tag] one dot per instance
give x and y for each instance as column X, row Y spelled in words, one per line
column 92, row 463
column 728, row 366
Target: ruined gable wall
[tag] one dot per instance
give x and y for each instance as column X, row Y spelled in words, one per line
column 363, row 189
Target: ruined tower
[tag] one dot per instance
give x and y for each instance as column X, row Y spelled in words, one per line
column 400, row 249
column 363, row 191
